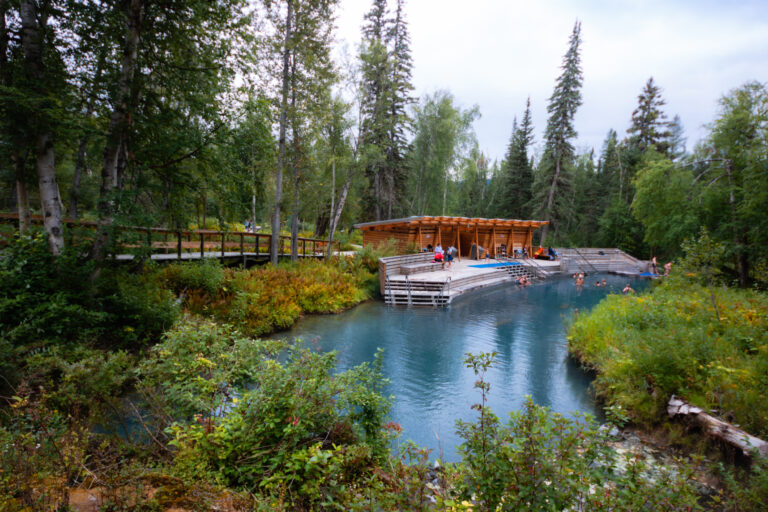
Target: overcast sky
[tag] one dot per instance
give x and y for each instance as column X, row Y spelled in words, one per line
column 496, row 53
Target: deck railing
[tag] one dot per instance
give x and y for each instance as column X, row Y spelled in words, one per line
column 197, row 243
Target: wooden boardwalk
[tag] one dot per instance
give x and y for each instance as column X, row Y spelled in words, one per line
column 163, row 244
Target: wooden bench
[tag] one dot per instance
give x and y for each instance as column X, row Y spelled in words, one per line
column 416, row 268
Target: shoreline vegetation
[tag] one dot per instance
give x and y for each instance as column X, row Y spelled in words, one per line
column 167, row 405
column 694, row 337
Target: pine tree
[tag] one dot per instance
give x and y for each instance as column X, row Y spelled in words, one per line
column 649, row 127
column 552, row 176
column 517, row 169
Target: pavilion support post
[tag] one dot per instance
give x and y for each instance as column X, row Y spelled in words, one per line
column 493, row 236
column 202, row 244
column 511, row 241
column 439, row 235
column 242, row 244
column 458, row 240
column 421, row 246
column 477, row 243
column 178, row 244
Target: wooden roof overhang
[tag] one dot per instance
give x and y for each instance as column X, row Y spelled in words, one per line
column 459, row 222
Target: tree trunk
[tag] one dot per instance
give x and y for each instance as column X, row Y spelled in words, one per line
column 82, row 144
column 295, row 161
column 550, row 201
column 22, row 196
column 119, row 124
column 275, row 239
column 337, row 212
column 719, row 429
column 445, row 191
column 74, row 194
column 50, row 201
column 32, row 44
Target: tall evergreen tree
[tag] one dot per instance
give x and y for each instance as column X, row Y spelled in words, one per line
column 386, row 72
column 517, row 171
column 552, row 176
column 649, row 126
column 677, row 139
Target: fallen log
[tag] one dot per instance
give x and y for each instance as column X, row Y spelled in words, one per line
column 717, row 428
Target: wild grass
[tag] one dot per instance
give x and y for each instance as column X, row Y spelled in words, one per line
column 707, row 344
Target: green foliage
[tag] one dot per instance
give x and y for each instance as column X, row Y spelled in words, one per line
column 263, row 300
column 662, row 203
column 207, row 276
column 544, row 461
column 291, row 424
column 56, row 299
column 744, row 489
column 677, row 339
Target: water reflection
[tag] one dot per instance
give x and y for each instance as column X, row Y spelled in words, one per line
column 424, row 351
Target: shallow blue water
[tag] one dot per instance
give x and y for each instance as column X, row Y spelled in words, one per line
column 424, row 351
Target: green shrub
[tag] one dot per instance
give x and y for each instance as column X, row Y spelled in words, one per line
column 207, row 275
column 707, row 345
column 46, row 299
column 544, row 461
column 262, row 300
column 292, row 423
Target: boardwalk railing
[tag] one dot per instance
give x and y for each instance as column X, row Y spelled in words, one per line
column 175, row 244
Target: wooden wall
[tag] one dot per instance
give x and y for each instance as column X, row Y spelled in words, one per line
column 514, row 237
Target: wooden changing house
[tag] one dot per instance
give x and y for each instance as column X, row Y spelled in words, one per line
column 492, row 235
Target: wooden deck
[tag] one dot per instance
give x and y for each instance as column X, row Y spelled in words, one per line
column 441, row 287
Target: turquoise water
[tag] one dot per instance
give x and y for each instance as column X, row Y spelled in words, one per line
column 424, row 350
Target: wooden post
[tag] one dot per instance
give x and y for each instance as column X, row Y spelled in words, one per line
column 149, row 240
column 439, row 235
column 242, row 244
column 165, row 239
column 493, row 240
column 458, row 240
column 222, row 246
column 421, row 246
column 202, row 244
column 477, row 243
column 178, row 245
column 304, row 247
column 511, row 241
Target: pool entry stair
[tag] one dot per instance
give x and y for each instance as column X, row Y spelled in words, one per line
column 414, row 280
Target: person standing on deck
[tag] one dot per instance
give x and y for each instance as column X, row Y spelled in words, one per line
column 653, row 265
column 450, row 254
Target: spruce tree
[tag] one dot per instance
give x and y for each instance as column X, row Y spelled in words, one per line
column 552, row 176
column 517, row 170
column 649, row 127
column 400, row 98
column 386, row 73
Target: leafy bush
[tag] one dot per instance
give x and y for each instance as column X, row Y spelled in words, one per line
column 544, row 461
column 266, row 299
column 59, row 299
column 207, row 276
column 291, row 423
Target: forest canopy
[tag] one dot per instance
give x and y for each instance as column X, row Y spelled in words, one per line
column 191, row 114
